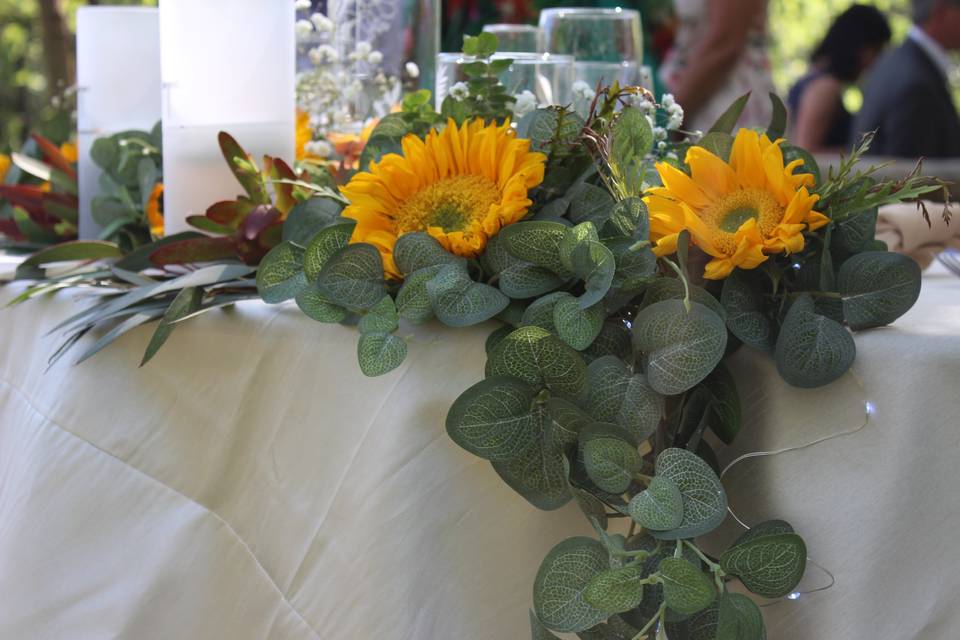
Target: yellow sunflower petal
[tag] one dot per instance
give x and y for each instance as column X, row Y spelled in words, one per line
column 682, row 186
column 460, row 185
column 713, row 174
column 746, row 160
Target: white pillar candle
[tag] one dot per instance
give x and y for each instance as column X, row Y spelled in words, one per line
column 226, row 65
column 118, row 86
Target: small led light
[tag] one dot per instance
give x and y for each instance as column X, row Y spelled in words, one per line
column 870, row 408
column 794, row 596
column 796, row 266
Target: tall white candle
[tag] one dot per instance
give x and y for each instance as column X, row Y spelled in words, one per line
column 118, row 86
column 226, row 65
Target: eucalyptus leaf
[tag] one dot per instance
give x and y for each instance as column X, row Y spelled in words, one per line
column 575, row 326
column 616, row 590
column 770, row 566
column 493, row 419
column 419, row 250
column 379, row 353
column 561, row 581
column 317, row 306
column 680, row 348
column 621, row 397
column 877, row 288
column 595, row 264
column 536, row 242
column 280, row 274
column 309, row 217
column 322, row 245
column 538, row 631
column 686, row 589
column 413, row 301
column 381, row 318
column 540, row 359
column 812, row 350
column 659, row 507
column 611, row 463
column 746, row 316
column 353, row 277
column 704, row 500
column 458, row 301
column 539, row 313
column 537, row 471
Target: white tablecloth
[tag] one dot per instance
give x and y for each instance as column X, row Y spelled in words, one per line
column 250, row 483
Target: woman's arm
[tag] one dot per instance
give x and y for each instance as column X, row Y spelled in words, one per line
column 817, row 109
column 728, row 23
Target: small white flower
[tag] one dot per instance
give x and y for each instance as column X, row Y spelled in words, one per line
column 659, row 133
column 667, row 100
column 375, row 57
column 674, row 121
column 672, row 156
column 524, row 103
column 412, row 69
column 302, row 5
column 460, row 91
column 661, row 146
column 323, row 54
column 582, row 90
column 319, row 148
column 322, row 23
column 364, row 48
column 304, row 28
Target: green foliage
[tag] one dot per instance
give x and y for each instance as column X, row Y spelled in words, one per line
column 564, row 575
column 877, row 288
column 686, row 590
column 812, row 350
column 704, row 500
column 768, row 565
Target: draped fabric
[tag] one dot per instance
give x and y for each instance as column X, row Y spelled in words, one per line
column 250, row 483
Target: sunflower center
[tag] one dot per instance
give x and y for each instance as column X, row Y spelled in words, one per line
column 453, row 204
column 729, row 213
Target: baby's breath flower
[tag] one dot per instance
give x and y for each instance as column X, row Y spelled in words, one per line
column 582, row 90
column 412, row 69
column 524, row 103
column 304, row 28
column 302, row 5
column 375, row 57
column 322, row 23
column 460, row 91
column 659, row 133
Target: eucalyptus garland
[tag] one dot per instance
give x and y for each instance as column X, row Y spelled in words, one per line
column 604, row 369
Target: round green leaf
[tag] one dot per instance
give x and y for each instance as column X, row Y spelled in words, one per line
column 380, row 353
column 280, row 274
column 611, row 463
column 536, row 242
column 317, row 306
column 381, row 318
column 770, row 566
column 659, row 507
column 680, row 348
column 616, row 395
column 746, row 317
column 812, row 350
column 575, row 326
column 766, row 528
column 561, row 581
column 521, row 280
column 616, row 590
column 725, row 403
column 673, row 289
column 877, row 288
column 413, row 302
column 353, row 277
column 324, row 244
column 537, row 473
column 493, row 419
column 595, row 264
column 458, row 301
column 704, row 500
column 686, row 589
column 540, row 359
column 307, row 218
column 540, row 312
column 418, row 250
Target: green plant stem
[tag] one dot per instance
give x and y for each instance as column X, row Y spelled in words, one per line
column 718, row 573
column 650, row 623
column 683, row 278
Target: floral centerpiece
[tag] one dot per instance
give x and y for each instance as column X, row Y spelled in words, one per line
column 616, row 266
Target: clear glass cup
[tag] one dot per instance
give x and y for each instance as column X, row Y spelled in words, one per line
column 547, row 76
column 515, row 37
column 607, row 43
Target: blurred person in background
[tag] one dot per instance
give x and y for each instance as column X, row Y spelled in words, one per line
column 720, row 53
column 820, row 121
column 908, row 99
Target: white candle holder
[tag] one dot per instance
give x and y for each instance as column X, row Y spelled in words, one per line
column 226, row 65
column 118, row 86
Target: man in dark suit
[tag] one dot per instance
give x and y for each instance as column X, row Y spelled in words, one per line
column 907, row 98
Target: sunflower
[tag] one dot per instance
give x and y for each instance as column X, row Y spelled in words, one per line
column 5, row 163
column 154, row 212
column 738, row 213
column 69, row 151
column 461, row 186
column 304, row 134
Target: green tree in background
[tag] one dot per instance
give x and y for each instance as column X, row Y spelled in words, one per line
column 37, row 66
